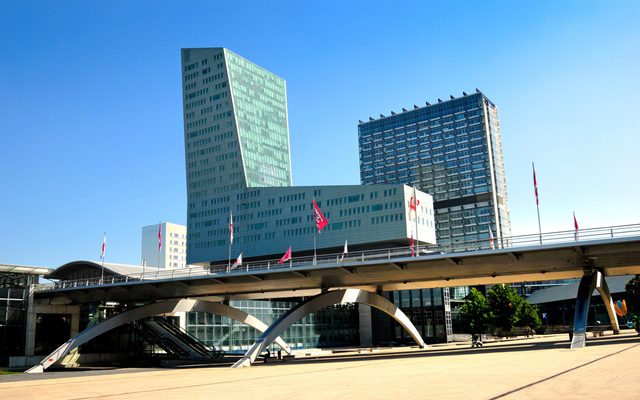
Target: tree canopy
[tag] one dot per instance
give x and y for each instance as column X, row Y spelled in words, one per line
column 475, row 315
column 505, row 304
column 633, row 295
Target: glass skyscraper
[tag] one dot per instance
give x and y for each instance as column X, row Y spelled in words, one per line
column 236, row 134
column 451, row 150
column 237, row 160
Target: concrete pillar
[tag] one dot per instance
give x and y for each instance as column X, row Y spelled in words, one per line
column 30, row 331
column 365, row 327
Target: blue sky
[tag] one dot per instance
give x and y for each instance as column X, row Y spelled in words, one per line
column 91, row 135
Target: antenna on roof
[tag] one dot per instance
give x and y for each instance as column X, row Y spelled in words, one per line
column 404, row 109
column 428, row 103
column 392, row 113
column 464, row 93
column 452, row 98
column 415, row 107
column 371, row 119
column 381, row 116
column 439, row 101
column 360, row 121
column 477, row 91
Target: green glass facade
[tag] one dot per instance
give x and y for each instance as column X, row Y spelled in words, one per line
column 260, row 110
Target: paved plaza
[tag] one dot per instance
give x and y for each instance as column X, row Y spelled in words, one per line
column 538, row 368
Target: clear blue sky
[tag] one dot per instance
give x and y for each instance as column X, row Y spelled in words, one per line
column 91, row 133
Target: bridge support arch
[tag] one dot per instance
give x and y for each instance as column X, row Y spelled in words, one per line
column 164, row 307
column 324, row 300
column 591, row 281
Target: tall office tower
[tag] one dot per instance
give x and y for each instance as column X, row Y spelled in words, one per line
column 236, row 135
column 164, row 245
column 451, row 150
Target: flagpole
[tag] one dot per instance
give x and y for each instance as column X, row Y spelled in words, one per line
column 535, row 184
column 104, row 251
column 415, row 202
column 159, row 246
column 229, row 264
column 314, row 246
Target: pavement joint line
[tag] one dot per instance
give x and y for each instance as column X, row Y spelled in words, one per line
column 560, row 373
column 114, row 395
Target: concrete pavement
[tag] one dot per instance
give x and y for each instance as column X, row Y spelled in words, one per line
column 538, row 368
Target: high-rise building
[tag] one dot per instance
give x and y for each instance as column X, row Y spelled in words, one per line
column 237, row 156
column 451, row 150
column 237, row 159
column 236, row 135
column 164, row 245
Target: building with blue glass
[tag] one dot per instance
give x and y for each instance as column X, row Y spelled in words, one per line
column 452, row 150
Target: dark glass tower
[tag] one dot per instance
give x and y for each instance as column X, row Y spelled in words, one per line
column 451, row 150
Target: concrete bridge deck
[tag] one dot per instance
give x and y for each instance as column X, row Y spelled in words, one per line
column 397, row 271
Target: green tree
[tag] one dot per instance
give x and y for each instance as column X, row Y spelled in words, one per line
column 633, row 301
column 528, row 316
column 505, row 305
column 633, row 295
column 475, row 314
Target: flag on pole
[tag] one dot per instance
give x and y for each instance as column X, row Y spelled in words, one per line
column 159, row 237
column 230, row 227
column 413, row 253
column 575, row 226
column 321, row 221
column 104, row 245
column 286, row 256
column 535, row 184
column 491, row 239
column 345, row 251
column 238, row 262
column 413, row 205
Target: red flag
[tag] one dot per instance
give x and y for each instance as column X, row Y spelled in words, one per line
column 230, row 227
column 159, row 237
column 535, row 184
column 104, row 245
column 286, row 256
column 321, row 221
column 413, row 253
column 575, row 226
column 413, row 204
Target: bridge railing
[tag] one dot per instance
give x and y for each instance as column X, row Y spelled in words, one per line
column 217, row 270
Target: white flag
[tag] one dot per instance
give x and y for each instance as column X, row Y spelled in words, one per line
column 345, row 251
column 238, row 262
column 491, row 241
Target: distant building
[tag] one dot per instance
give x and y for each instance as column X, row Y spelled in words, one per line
column 14, row 303
column 173, row 250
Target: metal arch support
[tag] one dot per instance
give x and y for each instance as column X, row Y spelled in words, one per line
column 590, row 282
column 603, row 289
column 165, row 307
column 324, row 300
